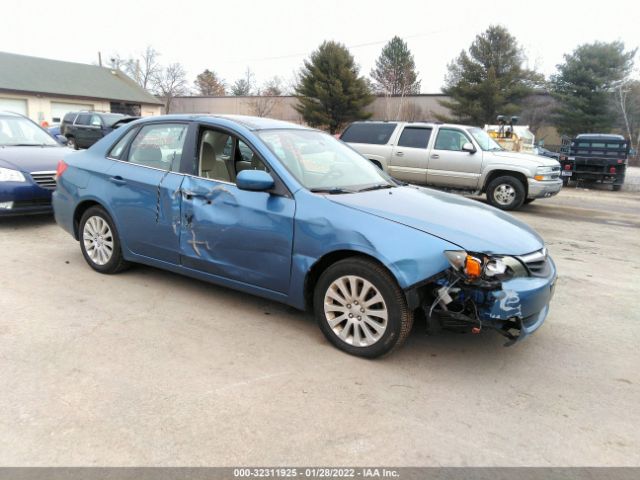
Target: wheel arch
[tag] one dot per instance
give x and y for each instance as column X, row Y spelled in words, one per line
column 493, row 174
column 328, row 259
column 82, row 207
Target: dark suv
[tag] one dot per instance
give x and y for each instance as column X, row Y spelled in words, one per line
column 83, row 129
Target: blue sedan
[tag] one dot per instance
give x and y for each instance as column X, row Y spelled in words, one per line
column 292, row 214
column 28, row 159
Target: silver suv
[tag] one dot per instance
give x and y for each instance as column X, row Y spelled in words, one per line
column 456, row 157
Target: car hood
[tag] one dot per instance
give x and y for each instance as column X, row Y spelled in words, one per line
column 530, row 158
column 32, row 159
column 472, row 225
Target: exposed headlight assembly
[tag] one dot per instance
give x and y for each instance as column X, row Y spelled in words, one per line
column 9, row 175
column 474, row 266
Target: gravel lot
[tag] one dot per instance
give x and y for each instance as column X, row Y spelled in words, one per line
column 150, row 368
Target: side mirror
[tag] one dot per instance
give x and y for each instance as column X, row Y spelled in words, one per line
column 62, row 139
column 254, row 180
column 468, row 147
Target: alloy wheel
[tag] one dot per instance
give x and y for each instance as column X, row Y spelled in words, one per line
column 355, row 311
column 504, row 194
column 98, row 240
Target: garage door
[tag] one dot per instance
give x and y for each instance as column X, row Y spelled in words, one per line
column 58, row 109
column 13, row 105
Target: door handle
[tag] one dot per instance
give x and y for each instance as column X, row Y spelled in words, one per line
column 118, row 180
column 190, row 194
column 435, row 155
column 399, row 154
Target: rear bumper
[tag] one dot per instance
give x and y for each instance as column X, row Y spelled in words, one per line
column 63, row 211
column 544, row 189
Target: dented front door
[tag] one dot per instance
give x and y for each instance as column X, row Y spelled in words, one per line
column 237, row 234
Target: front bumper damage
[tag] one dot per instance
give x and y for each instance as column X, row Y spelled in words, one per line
column 514, row 308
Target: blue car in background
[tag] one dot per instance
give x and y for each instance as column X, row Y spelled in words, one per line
column 294, row 215
column 29, row 156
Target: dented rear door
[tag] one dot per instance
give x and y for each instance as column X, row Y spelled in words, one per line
column 236, row 234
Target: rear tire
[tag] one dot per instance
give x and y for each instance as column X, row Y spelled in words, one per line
column 616, row 188
column 100, row 243
column 506, row 193
column 361, row 309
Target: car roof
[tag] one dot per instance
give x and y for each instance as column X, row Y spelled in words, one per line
column 418, row 123
column 246, row 121
column 6, row 113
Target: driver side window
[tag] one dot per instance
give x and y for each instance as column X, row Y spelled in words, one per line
column 222, row 156
column 449, row 139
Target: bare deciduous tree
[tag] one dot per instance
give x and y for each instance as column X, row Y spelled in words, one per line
column 145, row 68
column 537, row 111
column 244, row 86
column 628, row 106
column 411, row 112
column 266, row 97
column 170, row 83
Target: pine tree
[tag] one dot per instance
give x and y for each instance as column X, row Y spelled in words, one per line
column 208, row 83
column 395, row 71
column 585, row 86
column 330, row 91
column 488, row 80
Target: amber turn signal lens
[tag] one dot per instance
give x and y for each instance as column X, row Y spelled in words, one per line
column 472, row 267
column 539, row 177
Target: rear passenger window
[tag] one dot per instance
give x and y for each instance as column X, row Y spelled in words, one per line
column 373, row 133
column 118, row 149
column 158, row 146
column 414, row 137
column 83, row 119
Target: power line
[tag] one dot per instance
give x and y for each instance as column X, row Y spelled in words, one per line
column 357, row 45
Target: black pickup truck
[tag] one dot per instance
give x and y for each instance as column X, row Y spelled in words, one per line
column 593, row 157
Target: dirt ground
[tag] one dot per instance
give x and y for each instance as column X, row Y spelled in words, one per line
column 150, row 368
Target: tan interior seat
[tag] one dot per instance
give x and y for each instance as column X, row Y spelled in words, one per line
column 212, row 162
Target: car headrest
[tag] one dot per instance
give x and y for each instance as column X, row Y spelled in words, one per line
column 148, row 154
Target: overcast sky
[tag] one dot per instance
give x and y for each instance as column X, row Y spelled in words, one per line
column 274, row 36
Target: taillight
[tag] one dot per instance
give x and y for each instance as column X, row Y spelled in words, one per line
column 621, row 160
column 612, row 170
column 567, row 166
column 61, row 168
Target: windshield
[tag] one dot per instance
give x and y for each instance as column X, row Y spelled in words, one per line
column 322, row 163
column 22, row 132
column 484, row 140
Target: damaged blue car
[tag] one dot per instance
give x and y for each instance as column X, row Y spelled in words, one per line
column 292, row 214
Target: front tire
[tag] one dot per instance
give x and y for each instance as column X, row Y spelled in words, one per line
column 361, row 309
column 71, row 143
column 506, row 193
column 100, row 243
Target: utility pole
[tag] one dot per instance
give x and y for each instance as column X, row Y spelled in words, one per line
column 99, row 58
